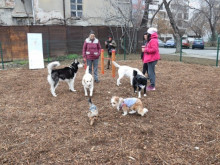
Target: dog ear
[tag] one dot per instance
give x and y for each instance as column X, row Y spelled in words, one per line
column 134, row 73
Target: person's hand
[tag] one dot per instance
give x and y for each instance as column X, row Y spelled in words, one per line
column 110, row 44
column 84, row 59
column 142, row 48
column 105, row 43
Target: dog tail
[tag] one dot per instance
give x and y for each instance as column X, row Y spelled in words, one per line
column 87, row 69
column 52, row 65
column 145, row 110
column 116, row 65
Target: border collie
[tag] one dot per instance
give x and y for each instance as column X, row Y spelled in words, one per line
column 140, row 82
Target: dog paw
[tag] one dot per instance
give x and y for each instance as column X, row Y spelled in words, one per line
column 54, row 95
column 132, row 112
column 145, row 95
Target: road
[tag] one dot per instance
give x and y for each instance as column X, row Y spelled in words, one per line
column 199, row 53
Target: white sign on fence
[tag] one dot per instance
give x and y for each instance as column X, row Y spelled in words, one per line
column 35, row 51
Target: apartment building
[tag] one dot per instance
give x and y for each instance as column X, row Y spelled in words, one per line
column 180, row 13
column 69, row 12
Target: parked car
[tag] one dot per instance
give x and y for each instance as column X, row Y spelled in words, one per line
column 185, row 43
column 170, row 43
column 161, row 43
column 198, row 43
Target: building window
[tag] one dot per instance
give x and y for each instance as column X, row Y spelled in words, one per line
column 179, row 15
column 186, row 16
column 76, row 8
column 123, row 1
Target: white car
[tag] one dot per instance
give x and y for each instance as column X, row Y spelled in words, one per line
column 161, row 43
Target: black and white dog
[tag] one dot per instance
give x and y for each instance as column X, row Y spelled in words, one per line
column 67, row 74
column 140, row 82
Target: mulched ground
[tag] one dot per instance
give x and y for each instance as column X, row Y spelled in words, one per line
column 181, row 127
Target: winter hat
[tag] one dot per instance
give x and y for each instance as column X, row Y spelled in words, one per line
column 152, row 30
column 91, row 32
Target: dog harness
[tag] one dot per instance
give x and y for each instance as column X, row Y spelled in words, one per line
column 128, row 102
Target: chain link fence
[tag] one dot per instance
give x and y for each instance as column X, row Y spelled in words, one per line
column 66, row 43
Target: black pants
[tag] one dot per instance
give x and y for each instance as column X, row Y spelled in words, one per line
column 145, row 68
column 109, row 56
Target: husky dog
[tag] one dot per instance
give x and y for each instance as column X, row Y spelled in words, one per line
column 67, row 74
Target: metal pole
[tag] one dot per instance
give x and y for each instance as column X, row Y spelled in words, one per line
column 48, row 52
column 2, row 56
column 217, row 51
column 124, row 49
column 181, row 49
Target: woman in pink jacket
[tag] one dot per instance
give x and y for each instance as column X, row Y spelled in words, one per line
column 151, row 56
column 91, row 53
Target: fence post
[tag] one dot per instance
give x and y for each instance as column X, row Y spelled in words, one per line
column 217, row 51
column 113, row 66
column 48, row 52
column 2, row 56
column 181, row 49
column 102, row 61
column 124, row 49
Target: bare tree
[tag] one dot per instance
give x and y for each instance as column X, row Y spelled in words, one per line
column 123, row 18
column 144, row 22
column 210, row 9
column 176, row 31
column 197, row 24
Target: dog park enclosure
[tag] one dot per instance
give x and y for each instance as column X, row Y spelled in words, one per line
column 181, row 127
column 57, row 40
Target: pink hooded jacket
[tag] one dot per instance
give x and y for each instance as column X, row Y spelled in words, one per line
column 151, row 51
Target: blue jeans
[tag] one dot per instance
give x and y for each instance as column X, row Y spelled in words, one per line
column 93, row 63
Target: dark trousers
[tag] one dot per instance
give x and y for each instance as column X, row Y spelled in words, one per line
column 145, row 69
column 151, row 72
column 109, row 56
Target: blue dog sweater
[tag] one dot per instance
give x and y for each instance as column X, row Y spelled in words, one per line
column 129, row 102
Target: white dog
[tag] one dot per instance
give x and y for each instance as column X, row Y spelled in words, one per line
column 132, row 105
column 125, row 71
column 88, row 82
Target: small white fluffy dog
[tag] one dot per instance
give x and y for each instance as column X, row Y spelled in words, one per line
column 125, row 71
column 88, row 82
column 132, row 105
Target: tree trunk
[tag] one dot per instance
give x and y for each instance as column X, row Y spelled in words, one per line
column 177, row 35
column 144, row 22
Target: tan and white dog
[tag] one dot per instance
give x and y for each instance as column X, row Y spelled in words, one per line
column 132, row 105
column 124, row 70
column 93, row 112
column 88, row 82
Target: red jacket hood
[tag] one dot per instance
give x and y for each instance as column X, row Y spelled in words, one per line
column 154, row 35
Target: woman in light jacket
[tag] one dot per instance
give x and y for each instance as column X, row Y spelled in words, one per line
column 91, row 53
column 151, row 56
